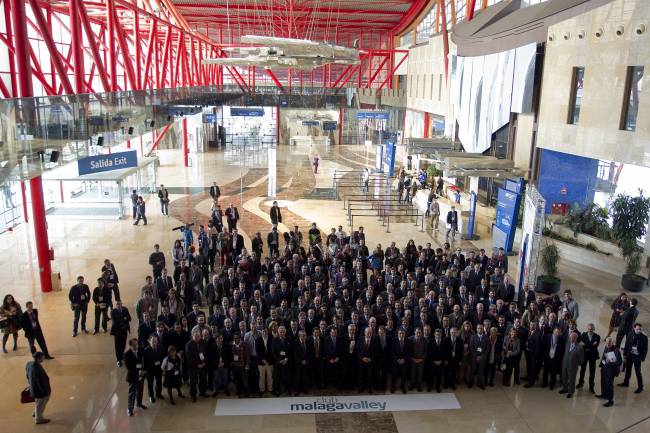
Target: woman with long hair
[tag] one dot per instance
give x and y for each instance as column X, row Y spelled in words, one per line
column 12, row 314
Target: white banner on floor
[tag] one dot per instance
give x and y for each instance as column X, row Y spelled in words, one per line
column 335, row 404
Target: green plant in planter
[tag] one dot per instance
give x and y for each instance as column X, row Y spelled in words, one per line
column 433, row 171
column 591, row 220
column 550, row 257
column 630, row 218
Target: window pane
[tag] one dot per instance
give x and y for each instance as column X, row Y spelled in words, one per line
column 633, row 93
column 577, row 87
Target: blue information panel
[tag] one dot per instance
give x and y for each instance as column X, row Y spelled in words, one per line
column 209, row 118
column 507, row 214
column 310, row 123
column 379, row 158
column 330, row 125
column 379, row 115
column 390, row 158
column 514, row 185
column 472, row 215
column 246, row 112
column 114, row 161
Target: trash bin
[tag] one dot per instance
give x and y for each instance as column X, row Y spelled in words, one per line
column 56, row 281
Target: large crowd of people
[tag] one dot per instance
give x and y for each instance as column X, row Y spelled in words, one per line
column 300, row 313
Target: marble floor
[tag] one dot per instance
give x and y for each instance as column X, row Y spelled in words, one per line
column 89, row 392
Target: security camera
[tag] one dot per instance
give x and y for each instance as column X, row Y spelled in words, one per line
column 640, row 29
column 599, row 33
column 551, row 37
column 567, row 36
column 620, row 30
column 581, row 34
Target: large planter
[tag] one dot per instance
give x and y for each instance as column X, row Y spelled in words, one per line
column 633, row 282
column 548, row 285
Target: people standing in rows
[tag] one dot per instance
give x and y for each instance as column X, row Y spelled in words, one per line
column 163, row 196
column 12, row 313
column 33, row 330
column 141, row 213
column 120, row 329
column 79, row 297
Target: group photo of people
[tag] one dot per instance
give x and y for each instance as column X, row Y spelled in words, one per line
column 295, row 314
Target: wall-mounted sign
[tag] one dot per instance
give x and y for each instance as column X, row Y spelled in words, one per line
column 310, row 123
column 246, row 112
column 209, row 118
column 390, row 158
column 114, row 161
column 378, row 115
column 330, row 125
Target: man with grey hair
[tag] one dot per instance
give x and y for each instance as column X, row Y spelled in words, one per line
column 573, row 357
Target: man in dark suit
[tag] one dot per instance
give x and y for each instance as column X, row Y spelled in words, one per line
column 110, row 274
column 366, row 352
column 628, row 319
column 399, row 360
column 590, row 341
column 39, row 386
column 33, row 331
column 635, row 351
column 417, row 357
column 454, row 358
column 452, row 224
column 79, row 297
column 196, row 354
column 553, row 353
column 301, row 363
column 317, row 347
column 101, row 298
column 163, row 284
column 153, row 355
column 350, row 359
column 134, row 360
column 437, row 358
column 276, row 215
column 273, row 241
column 333, row 356
column 382, row 364
column 610, row 364
column 533, row 354
column 281, row 347
column 232, row 216
column 120, row 328
column 237, row 244
column 478, row 352
column 215, row 192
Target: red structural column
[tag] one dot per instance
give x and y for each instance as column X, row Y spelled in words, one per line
column 277, row 125
column 21, row 48
column 23, row 190
column 110, row 28
column 40, row 233
column 185, row 144
column 76, row 41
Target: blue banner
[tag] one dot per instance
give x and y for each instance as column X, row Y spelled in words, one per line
column 378, row 115
column 514, row 185
column 114, row 161
column 310, row 123
column 379, row 158
column 472, row 215
column 390, row 158
column 507, row 214
column 209, row 118
column 330, row 125
column 246, row 112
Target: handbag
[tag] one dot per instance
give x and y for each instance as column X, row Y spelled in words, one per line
column 26, row 396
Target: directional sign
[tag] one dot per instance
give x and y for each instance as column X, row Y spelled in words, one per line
column 330, row 125
column 115, row 161
column 378, row 115
column 246, row 112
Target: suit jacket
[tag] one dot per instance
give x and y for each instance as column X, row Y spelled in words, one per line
column 479, row 348
column 264, row 352
column 367, row 350
column 193, row 353
column 134, row 364
column 301, row 353
column 399, row 351
column 120, row 321
column 333, row 349
column 452, row 218
column 26, row 322
column 215, row 192
column 232, row 214
column 163, row 285
column 39, row 382
column 455, row 351
column 276, row 215
column 559, row 349
column 239, row 245
column 590, row 347
column 416, row 350
column 438, row 353
column 79, row 294
column 627, row 319
column 639, row 341
column 281, row 350
column 573, row 358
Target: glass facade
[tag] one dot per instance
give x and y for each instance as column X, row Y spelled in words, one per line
column 577, row 88
column 633, row 87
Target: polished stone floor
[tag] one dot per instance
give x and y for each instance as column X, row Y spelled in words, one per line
column 89, row 392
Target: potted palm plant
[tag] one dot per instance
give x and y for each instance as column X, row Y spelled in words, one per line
column 549, row 282
column 629, row 222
